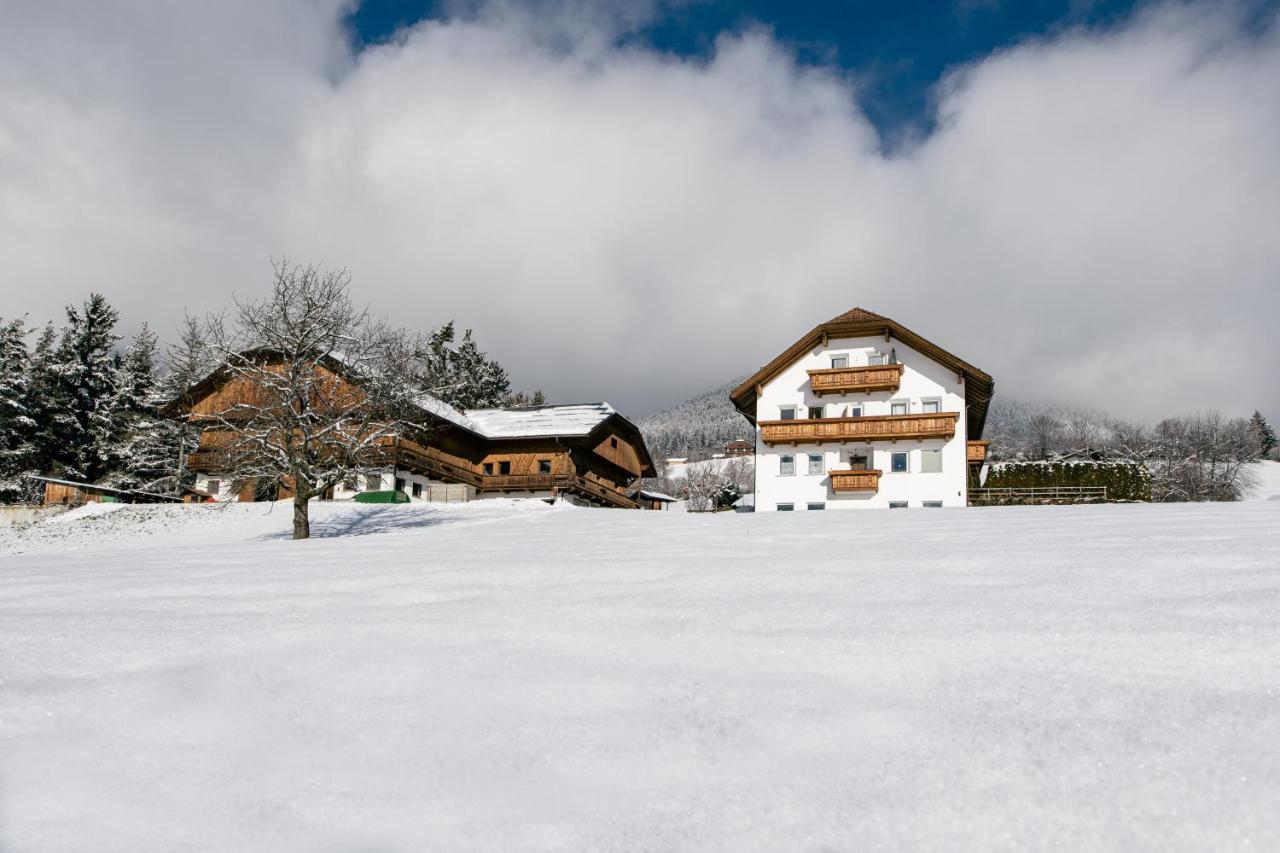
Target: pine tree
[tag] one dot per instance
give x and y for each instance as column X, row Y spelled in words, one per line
column 49, row 402
column 17, row 426
column 85, row 367
column 482, row 382
column 145, row 451
column 462, row 376
column 1263, row 434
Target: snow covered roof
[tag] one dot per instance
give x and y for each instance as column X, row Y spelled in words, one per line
column 442, row 410
column 540, row 421
column 656, row 496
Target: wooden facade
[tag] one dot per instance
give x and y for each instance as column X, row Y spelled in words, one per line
column 71, row 493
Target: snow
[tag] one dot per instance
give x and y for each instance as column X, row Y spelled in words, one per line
column 509, row 675
column 1266, row 475
column 541, row 421
column 443, row 410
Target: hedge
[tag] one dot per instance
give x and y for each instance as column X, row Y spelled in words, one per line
column 1125, row 481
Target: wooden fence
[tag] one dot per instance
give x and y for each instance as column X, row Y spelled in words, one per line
column 1038, row 495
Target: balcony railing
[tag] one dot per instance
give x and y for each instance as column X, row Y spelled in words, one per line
column 976, row 451
column 868, row 428
column 209, row 460
column 864, row 480
column 855, row 380
column 558, row 482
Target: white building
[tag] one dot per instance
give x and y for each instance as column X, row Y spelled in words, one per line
column 862, row 412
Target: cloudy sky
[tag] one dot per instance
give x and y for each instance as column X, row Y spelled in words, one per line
column 636, row 202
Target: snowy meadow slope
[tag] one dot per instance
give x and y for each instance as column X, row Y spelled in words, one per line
column 515, row 676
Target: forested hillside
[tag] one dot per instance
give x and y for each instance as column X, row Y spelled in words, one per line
column 697, row 427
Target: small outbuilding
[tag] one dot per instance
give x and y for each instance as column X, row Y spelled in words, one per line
column 72, row 493
column 647, row 499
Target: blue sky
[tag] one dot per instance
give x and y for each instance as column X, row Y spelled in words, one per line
column 895, row 50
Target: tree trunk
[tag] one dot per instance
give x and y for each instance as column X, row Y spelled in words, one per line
column 301, row 521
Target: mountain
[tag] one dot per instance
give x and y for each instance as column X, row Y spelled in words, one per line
column 699, row 426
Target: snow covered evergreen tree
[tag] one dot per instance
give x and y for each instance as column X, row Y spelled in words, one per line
column 1263, row 435
column 85, row 370
column 17, row 426
column 462, row 376
column 146, row 448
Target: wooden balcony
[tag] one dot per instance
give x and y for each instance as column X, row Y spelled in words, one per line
column 861, row 480
column 869, row 428
column 976, row 451
column 573, row 483
column 209, row 460
column 855, row 380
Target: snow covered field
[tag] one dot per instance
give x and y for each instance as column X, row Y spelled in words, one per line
column 501, row 676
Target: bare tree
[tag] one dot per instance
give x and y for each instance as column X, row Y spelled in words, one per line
column 316, row 388
column 740, row 474
column 1202, row 457
column 702, row 482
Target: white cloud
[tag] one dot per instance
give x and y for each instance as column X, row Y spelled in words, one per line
column 1095, row 221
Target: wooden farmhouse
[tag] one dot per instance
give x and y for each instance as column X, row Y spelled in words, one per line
column 586, row 453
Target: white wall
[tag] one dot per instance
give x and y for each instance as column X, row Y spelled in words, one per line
column 922, row 379
column 368, row 482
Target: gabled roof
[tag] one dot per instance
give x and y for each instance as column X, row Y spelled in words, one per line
column 575, row 420
column 859, row 322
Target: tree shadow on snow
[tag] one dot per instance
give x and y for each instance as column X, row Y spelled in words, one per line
column 366, row 521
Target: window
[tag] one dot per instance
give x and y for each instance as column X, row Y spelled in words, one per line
column 349, row 483
column 931, row 407
column 504, row 468
column 417, row 490
column 544, row 466
column 877, row 358
column 858, row 462
column 213, row 486
column 488, row 467
column 838, row 361
column 815, row 507
column 787, row 413
column 613, row 442
column 815, row 412
column 786, row 507
column 898, row 407
column 815, row 463
column 932, row 504
column 931, row 461
column 372, row 482
column 399, row 484
column 897, row 504
column 855, row 411
column 898, row 463
column 787, row 466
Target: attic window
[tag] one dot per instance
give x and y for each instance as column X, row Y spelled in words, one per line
column 613, row 442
